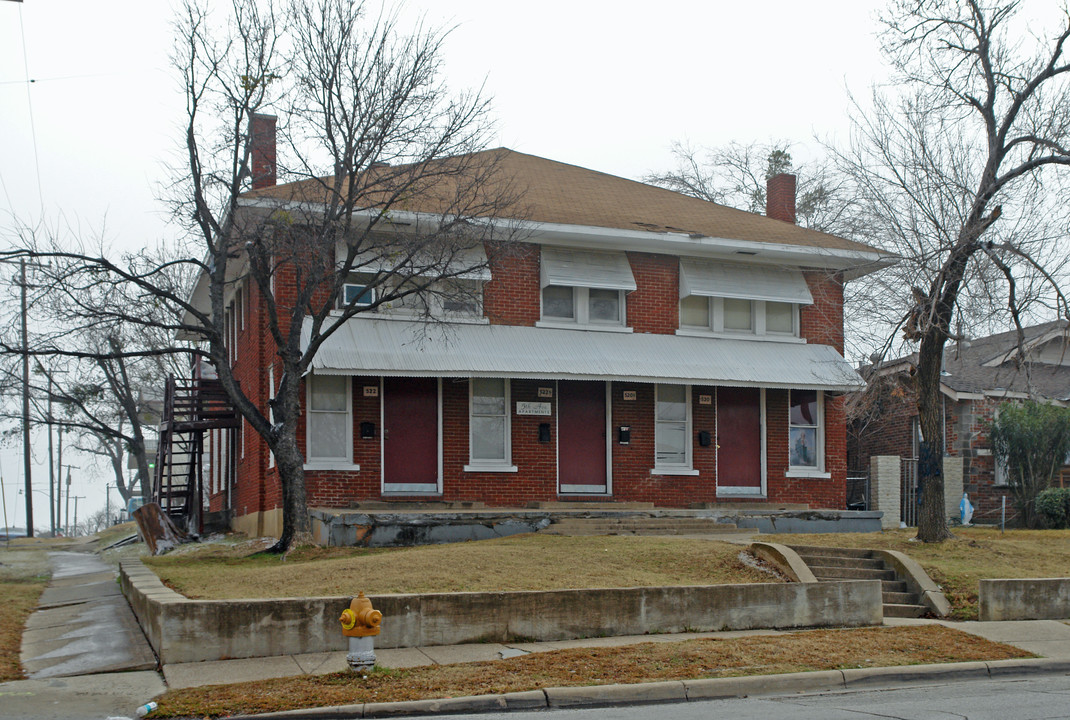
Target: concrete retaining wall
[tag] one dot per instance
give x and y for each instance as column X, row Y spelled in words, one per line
column 183, row 630
column 1024, row 599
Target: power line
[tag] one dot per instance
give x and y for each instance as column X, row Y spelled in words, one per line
column 34, row 81
column 29, row 105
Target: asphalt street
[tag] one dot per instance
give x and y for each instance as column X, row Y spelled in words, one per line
column 1042, row 698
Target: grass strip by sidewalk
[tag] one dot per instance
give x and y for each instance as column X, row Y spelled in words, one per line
column 23, row 577
column 647, row 662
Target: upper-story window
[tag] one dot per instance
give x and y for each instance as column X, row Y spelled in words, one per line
column 740, row 299
column 452, row 298
column 378, row 274
column 583, row 288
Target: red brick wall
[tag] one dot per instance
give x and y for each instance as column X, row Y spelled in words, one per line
column 654, row 306
column 512, row 297
column 822, row 322
column 817, row 492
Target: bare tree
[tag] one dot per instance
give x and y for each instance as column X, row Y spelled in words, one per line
column 736, row 174
column 405, row 200
column 956, row 169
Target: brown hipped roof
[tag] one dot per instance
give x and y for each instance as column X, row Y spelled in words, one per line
column 556, row 192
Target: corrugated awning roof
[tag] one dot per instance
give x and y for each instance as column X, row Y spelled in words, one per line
column 368, row 346
column 748, row 282
column 579, row 268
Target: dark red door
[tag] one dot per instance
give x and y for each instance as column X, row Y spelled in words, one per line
column 410, row 434
column 581, row 436
column 739, row 437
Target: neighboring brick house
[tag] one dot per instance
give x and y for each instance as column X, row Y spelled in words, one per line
column 978, row 375
column 638, row 345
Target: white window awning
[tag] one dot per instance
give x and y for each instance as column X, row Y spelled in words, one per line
column 398, row 348
column 746, row 282
column 580, row 268
column 467, row 263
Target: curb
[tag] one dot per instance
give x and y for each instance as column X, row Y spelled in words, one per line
column 821, row 681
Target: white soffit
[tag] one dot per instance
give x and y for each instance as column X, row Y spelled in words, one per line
column 399, row 348
column 580, row 268
column 747, row 282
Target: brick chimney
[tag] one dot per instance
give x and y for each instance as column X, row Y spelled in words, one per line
column 262, row 150
column 780, row 197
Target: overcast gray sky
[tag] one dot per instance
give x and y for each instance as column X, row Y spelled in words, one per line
column 604, row 85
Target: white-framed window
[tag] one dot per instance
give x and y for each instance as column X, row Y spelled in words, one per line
column 271, row 410
column 583, row 306
column 490, row 448
column 806, row 430
column 672, row 428
column 357, row 293
column 739, row 316
column 329, row 421
column 460, row 298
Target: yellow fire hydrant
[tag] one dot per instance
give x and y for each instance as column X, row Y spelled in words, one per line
column 360, row 623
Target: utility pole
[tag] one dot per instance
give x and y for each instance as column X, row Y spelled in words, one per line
column 27, row 465
column 51, row 468
column 76, row 499
column 59, row 481
column 68, row 512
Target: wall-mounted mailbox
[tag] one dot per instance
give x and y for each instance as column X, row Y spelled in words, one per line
column 544, row 432
column 624, row 434
column 704, row 438
column 367, row 431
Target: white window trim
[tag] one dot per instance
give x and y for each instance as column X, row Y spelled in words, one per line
column 504, row 465
column 271, row 411
column 581, row 312
column 342, row 296
column 687, row 467
column 330, row 463
column 818, row 471
column 758, row 330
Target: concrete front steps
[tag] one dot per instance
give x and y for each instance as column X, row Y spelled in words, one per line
column 829, row 563
column 641, row 525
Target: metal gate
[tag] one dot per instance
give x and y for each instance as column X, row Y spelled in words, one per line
column 857, row 491
column 908, row 492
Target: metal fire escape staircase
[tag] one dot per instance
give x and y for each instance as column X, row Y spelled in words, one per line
column 191, row 407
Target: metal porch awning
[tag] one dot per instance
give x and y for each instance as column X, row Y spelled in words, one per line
column 401, row 348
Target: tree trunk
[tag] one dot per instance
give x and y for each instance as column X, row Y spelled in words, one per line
column 932, row 516
column 296, row 526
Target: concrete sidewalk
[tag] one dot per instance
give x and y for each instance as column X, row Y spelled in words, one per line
column 83, row 624
column 1046, row 638
column 82, row 649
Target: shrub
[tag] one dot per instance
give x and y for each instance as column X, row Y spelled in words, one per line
column 1053, row 507
column 1033, row 439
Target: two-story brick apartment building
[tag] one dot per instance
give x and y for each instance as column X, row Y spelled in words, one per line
column 637, row 345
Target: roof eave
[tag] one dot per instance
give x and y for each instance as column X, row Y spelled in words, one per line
column 853, row 263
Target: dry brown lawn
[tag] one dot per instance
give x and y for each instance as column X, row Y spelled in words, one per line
column 520, row 562
column 534, row 562
column 23, row 576
column 647, row 662
column 957, row 565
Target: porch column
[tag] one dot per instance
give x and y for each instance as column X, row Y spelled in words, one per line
column 884, row 488
column 953, row 487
